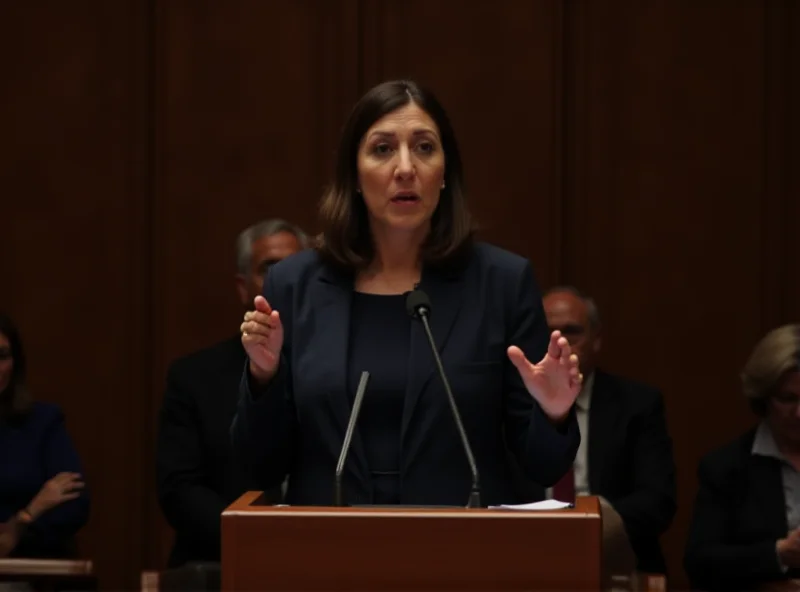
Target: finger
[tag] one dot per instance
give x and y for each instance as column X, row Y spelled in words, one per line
column 517, row 357
column 253, row 328
column 261, row 317
column 553, row 349
column 255, row 339
column 262, row 305
column 574, row 364
column 63, row 478
column 72, row 481
column 65, row 497
column 565, row 351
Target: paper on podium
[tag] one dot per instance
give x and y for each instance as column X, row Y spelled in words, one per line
column 549, row 504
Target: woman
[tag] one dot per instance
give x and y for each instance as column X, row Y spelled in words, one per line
column 746, row 526
column 395, row 219
column 43, row 502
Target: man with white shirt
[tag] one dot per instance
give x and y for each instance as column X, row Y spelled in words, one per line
column 625, row 455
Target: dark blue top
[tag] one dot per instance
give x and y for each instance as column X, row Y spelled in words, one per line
column 380, row 334
column 31, row 453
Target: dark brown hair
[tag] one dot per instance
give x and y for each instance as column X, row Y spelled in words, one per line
column 346, row 240
column 15, row 402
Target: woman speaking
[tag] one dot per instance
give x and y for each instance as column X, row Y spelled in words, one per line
column 395, row 220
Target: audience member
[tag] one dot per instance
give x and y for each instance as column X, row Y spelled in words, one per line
column 196, row 477
column 625, row 455
column 43, row 498
column 745, row 531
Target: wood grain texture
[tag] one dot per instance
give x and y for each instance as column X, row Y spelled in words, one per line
column 410, row 549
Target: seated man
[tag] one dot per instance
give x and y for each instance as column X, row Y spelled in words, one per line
column 196, row 477
column 745, row 532
column 625, row 455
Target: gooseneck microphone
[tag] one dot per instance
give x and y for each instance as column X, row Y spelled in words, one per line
column 348, row 437
column 418, row 306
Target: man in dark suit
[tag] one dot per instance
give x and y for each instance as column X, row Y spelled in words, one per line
column 625, row 455
column 196, row 476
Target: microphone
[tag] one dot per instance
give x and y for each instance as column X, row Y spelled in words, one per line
column 348, row 437
column 418, row 306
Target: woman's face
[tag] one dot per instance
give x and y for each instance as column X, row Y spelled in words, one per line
column 401, row 170
column 783, row 409
column 6, row 362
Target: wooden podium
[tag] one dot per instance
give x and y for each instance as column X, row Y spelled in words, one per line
column 307, row 549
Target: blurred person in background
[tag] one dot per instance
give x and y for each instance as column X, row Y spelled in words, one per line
column 43, row 498
column 745, row 531
column 626, row 454
column 196, row 478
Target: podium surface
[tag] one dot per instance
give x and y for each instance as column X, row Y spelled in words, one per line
column 372, row 549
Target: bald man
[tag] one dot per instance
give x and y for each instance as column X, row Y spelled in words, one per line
column 625, row 455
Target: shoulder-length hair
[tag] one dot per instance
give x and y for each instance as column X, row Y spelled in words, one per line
column 777, row 353
column 345, row 240
column 15, row 401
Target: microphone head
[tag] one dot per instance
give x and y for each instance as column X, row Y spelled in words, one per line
column 418, row 304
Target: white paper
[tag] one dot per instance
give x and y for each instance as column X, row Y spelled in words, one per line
column 550, row 504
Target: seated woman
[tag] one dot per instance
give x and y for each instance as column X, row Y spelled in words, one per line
column 746, row 526
column 43, row 501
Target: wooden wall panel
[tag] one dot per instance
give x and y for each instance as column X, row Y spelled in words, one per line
column 74, row 242
column 249, row 100
column 665, row 215
column 792, row 193
column 497, row 72
column 246, row 124
column 788, row 56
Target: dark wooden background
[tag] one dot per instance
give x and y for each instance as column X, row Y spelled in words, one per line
column 647, row 151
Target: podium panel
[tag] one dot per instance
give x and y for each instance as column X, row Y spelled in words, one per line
column 288, row 549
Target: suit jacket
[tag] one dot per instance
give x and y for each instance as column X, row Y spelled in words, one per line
column 34, row 450
column 196, row 478
column 631, row 463
column 296, row 425
column 739, row 515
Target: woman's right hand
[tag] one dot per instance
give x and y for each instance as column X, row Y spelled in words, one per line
column 61, row 488
column 262, row 338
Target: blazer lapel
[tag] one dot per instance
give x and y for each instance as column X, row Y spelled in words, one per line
column 445, row 292
column 332, row 307
column 602, row 425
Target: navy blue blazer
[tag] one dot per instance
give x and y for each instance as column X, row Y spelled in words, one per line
column 296, row 424
column 31, row 453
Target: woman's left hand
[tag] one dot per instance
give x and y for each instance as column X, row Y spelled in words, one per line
column 555, row 381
